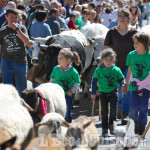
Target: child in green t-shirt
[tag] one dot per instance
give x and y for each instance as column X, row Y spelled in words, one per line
column 108, row 77
column 139, row 64
column 67, row 77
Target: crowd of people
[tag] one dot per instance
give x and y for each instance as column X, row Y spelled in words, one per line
column 21, row 20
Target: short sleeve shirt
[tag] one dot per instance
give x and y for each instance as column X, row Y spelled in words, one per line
column 140, row 66
column 66, row 79
column 12, row 47
column 107, row 78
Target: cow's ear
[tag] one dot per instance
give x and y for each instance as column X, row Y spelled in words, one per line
column 41, row 96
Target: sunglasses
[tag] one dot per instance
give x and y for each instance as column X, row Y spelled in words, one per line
column 87, row 14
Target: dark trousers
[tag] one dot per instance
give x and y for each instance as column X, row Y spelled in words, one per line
column 139, row 107
column 69, row 103
column 107, row 98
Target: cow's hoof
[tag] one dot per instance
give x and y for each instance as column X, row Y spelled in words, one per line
column 76, row 102
column 85, row 95
column 34, row 61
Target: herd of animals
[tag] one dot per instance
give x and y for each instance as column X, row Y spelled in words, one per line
column 22, row 125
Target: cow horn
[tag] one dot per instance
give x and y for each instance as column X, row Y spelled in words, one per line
column 91, row 41
column 42, row 45
column 26, row 105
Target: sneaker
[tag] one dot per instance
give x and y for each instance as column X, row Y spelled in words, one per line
column 111, row 128
column 141, row 130
column 136, row 128
column 104, row 132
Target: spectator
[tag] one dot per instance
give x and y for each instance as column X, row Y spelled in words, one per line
column 120, row 39
column 106, row 17
column 142, row 9
column 71, row 24
column 39, row 28
column 39, row 7
column 78, row 22
column 3, row 4
column 92, row 15
column 86, row 16
column 147, row 11
column 52, row 21
column 68, row 7
column 61, row 20
column 10, row 5
column 135, row 15
column 91, row 6
column 98, row 13
column 13, row 38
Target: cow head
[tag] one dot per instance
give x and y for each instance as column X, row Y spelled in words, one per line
column 35, row 45
column 48, row 56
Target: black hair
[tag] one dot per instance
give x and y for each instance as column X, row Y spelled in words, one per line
column 12, row 11
column 21, row 7
column 40, row 16
column 53, row 11
column 108, row 52
column 143, row 38
column 92, row 5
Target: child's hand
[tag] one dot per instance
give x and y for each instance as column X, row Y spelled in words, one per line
column 69, row 93
column 124, row 90
column 93, row 97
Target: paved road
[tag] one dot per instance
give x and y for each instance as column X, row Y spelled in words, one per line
column 85, row 108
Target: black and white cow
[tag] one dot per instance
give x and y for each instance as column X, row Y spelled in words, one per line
column 47, row 58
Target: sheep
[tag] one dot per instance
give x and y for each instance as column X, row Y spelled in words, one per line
column 9, row 94
column 15, row 120
column 81, row 133
column 50, row 126
column 45, row 143
column 52, row 93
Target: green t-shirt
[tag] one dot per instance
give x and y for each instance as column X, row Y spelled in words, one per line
column 66, row 79
column 108, row 78
column 140, row 66
column 78, row 22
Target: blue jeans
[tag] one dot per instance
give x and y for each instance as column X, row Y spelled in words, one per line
column 69, row 103
column 123, row 101
column 139, row 107
column 19, row 71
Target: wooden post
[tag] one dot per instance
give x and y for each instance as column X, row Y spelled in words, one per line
column 145, row 131
column 93, row 108
column 100, row 110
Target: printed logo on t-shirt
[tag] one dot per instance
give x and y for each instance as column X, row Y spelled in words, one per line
column 12, row 43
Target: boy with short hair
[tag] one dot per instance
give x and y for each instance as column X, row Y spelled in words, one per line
column 13, row 38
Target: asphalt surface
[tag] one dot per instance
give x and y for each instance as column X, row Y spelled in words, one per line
column 85, row 108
